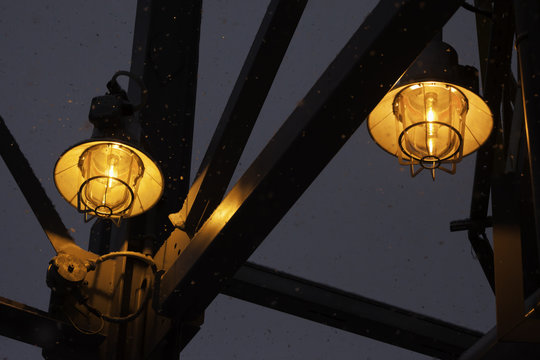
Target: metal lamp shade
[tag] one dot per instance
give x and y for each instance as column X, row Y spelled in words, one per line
column 108, row 178
column 385, row 128
column 433, row 115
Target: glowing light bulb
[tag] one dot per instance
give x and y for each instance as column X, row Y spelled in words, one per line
column 111, row 172
column 432, row 123
column 108, row 179
column 430, row 117
column 430, row 114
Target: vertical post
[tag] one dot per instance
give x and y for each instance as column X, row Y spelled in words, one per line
column 507, row 250
column 482, row 172
column 511, row 233
column 504, row 183
column 527, row 13
column 170, row 74
column 165, row 53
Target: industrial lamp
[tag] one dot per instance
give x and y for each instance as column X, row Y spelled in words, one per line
column 109, row 176
column 433, row 115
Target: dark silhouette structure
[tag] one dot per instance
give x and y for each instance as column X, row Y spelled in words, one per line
column 141, row 289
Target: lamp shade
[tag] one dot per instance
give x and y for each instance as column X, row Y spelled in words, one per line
column 108, row 178
column 432, row 115
column 385, row 128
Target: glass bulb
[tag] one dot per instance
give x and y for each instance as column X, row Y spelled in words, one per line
column 111, row 172
column 431, row 133
column 432, row 117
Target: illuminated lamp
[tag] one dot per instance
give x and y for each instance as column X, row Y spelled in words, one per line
column 432, row 117
column 109, row 176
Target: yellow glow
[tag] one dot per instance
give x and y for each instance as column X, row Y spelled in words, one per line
column 108, row 179
column 430, row 146
column 433, row 118
column 430, row 117
column 385, row 129
column 111, row 174
column 430, row 123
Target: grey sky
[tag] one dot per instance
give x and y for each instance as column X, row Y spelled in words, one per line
column 363, row 226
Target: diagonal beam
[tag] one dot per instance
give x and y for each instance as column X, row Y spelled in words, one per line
column 349, row 312
column 367, row 67
column 36, row 196
column 241, row 112
column 36, row 327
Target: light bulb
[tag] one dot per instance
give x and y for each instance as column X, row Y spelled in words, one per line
column 432, row 118
column 108, row 179
column 111, row 173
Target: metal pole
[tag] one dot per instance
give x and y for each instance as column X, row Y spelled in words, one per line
column 528, row 49
column 165, row 54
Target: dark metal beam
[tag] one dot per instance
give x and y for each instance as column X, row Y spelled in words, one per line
column 489, row 347
column 506, row 189
column 166, row 54
column 390, row 38
column 495, row 47
column 468, row 224
column 36, row 327
column 483, row 33
column 509, row 293
column 528, row 49
column 241, row 112
column 350, row 312
column 36, row 196
column 529, row 238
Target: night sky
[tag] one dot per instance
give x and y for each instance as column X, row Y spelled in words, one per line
column 363, row 226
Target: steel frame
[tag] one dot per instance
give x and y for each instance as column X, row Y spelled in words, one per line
column 515, row 270
column 317, row 128
column 207, row 253
column 241, row 112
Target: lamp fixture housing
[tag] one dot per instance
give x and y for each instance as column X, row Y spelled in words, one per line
column 433, row 115
column 109, row 176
